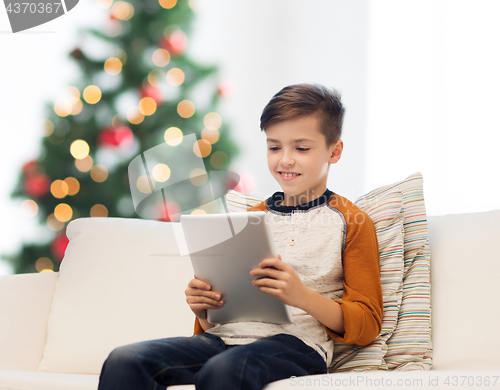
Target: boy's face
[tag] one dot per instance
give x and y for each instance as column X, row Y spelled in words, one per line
column 297, row 146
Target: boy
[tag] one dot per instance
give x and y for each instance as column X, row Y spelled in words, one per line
column 327, row 270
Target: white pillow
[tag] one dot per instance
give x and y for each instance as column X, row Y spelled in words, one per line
column 121, row 281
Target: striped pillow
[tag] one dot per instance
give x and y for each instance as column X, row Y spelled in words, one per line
column 386, row 210
column 410, row 345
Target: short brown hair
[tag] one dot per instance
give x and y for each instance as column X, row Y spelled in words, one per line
column 298, row 100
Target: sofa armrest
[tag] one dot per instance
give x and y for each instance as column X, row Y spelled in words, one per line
column 25, row 302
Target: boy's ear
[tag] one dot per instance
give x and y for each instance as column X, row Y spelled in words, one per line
column 336, row 151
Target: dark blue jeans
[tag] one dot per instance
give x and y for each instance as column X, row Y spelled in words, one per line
column 206, row 361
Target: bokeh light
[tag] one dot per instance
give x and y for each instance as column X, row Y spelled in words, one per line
column 145, row 185
column 186, row 109
column 44, row 264
column 63, row 212
column 161, row 58
column 134, row 116
column 168, row 4
column 85, row 164
column 211, row 135
column 104, row 3
column 212, row 120
column 175, row 77
column 161, row 172
column 48, row 127
column 77, row 108
column 99, row 173
column 54, row 224
column 98, row 211
column 62, row 107
column 155, row 77
column 73, row 185
column 92, row 94
column 122, row 10
column 71, row 94
column 173, row 136
column 29, row 208
column 202, row 148
column 198, row 211
column 147, row 106
column 79, row 149
column 113, row 66
column 219, row 160
column 59, row 189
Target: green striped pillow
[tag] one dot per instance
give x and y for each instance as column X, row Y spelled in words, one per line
column 409, row 345
column 386, row 211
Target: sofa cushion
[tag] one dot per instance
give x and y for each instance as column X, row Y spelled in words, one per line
column 25, row 302
column 465, row 290
column 121, row 281
column 22, row 380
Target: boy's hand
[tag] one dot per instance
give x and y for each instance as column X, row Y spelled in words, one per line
column 279, row 280
column 200, row 297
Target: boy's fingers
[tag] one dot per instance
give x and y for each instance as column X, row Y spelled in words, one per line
column 203, row 300
column 272, row 262
column 198, row 283
column 202, row 293
column 269, row 272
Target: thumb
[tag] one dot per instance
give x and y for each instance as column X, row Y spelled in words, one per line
column 279, row 257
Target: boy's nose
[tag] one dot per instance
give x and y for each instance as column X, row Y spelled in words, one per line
column 287, row 160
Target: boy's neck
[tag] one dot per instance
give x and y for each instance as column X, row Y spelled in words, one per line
column 292, row 200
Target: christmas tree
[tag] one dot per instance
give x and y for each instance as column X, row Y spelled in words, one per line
column 145, row 92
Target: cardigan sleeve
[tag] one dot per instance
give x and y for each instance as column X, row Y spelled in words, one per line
column 362, row 302
column 197, row 326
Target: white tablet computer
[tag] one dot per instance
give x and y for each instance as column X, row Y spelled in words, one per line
column 224, row 248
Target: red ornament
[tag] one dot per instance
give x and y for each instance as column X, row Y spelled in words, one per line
column 175, row 43
column 36, row 185
column 30, row 167
column 77, row 53
column 226, row 89
column 148, row 90
column 121, row 136
column 58, row 246
column 166, row 213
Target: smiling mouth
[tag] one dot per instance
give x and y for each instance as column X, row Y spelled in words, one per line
column 289, row 174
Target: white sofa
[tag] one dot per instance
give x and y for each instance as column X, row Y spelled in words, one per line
column 122, row 280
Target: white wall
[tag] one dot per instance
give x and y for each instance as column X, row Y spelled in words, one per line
column 433, row 100
column 263, row 46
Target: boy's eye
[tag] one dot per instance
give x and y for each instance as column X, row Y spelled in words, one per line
column 301, row 149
